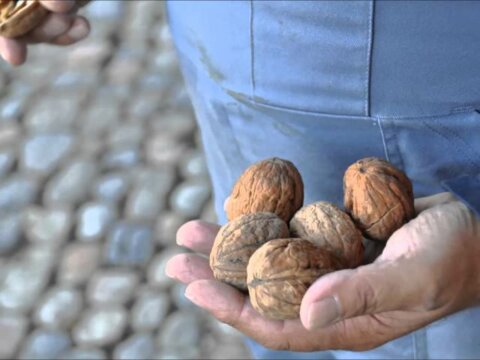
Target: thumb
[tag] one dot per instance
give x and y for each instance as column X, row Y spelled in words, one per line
column 371, row 289
column 13, row 51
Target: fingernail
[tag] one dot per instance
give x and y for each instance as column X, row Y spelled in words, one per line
column 179, row 242
column 189, row 296
column 323, row 313
column 178, row 236
column 168, row 272
column 78, row 31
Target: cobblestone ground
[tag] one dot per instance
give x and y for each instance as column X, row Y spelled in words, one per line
column 100, row 162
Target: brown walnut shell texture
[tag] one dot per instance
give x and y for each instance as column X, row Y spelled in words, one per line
column 378, row 196
column 271, row 185
column 327, row 226
column 18, row 17
column 280, row 272
column 237, row 241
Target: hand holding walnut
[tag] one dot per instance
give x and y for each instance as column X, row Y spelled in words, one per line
column 428, row 270
column 58, row 25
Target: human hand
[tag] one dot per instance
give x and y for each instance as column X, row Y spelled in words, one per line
column 428, row 269
column 61, row 27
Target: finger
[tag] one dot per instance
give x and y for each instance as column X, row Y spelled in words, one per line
column 427, row 202
column 230, row 306
column 59, row 6
column 54, row 26
column 187, row 268
column 372, row 289
column 14, row 51
column 78, row 31
column 197, row 235
column 360, row 333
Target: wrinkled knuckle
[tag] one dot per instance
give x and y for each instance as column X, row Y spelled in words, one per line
column 430, row 303
column 337, row 339
column 367, row 295
column 277, row 345
column 432, row 298
column 233, row 319
column 226, row 318
column 431, row 217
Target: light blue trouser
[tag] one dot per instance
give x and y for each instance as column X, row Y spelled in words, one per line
column 326, row 83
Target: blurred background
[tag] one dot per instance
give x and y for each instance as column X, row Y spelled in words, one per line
column 100, row 163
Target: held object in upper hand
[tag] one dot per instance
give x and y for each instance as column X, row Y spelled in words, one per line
column 18, row 17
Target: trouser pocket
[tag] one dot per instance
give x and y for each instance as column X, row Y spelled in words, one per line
column 434, row 149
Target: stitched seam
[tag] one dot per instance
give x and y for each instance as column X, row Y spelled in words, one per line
column 368, row 77
column 426, row 117
column 254, row 101
column 249, row 100
column 447, row 138
column 252, row 50
column 456, row 147
column 398, row 152
column 455, row 135
column 461, row 109
column 421, row 346
column 472, row 106
column 384, row 142
column 414, row 345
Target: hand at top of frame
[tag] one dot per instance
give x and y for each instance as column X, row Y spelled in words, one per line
column 61, row 26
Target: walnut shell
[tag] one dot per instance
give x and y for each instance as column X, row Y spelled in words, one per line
column 236, row 242
column 378, row 196
column 332, row 229
column 280, row 272
column 272, row 185
column 18, row 17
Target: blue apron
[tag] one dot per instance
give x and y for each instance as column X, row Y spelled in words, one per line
column 323, row 84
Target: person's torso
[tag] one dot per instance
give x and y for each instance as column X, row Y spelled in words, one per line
column 325, row 83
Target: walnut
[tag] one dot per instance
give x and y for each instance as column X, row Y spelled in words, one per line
column 327, row 226
column 272, row 185
column 378, row 196
column 280, row 272
column 18, row 17
column 237, row 240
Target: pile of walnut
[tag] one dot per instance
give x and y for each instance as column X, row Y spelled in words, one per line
column 275, row 248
